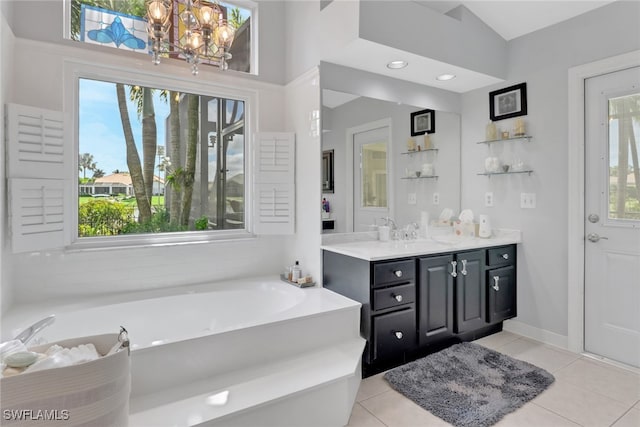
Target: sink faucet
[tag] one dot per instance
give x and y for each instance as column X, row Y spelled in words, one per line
column 389, row 221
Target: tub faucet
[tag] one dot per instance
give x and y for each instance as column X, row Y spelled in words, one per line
column 26, row 335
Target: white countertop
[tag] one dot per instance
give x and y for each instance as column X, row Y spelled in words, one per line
column 375, row 250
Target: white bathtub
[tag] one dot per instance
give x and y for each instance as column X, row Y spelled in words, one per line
column 192, row 340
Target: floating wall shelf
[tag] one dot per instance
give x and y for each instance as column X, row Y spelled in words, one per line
column 505, row 173
column 420, row 151
column 524, row 137
column 420, row 177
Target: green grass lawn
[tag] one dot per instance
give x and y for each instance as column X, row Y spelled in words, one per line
column 130, row 201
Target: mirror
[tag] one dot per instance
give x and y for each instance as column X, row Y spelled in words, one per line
column 427, row 180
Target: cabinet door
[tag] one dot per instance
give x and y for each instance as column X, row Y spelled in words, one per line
column 501, row 289
column 435, row 299
column 471, row 300
column 394, row 333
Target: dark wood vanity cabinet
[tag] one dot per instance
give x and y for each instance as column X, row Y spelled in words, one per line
column 435, row 299
column 415, row 304
column 501, row 284
column 387, row 292
column 471, row 294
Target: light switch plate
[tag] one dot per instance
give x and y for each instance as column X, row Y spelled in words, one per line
column 412, row 199
column 528, row 200
column 436, row 198
column 488, row 199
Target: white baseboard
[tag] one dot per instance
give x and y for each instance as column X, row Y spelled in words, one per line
column 537, row 334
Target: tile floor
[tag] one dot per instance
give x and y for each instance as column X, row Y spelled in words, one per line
column 586, row 392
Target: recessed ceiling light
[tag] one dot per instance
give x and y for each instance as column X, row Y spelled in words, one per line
column 395, row 65
column 445, row 77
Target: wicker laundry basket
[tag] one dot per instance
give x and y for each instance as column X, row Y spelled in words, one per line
column 94, row 393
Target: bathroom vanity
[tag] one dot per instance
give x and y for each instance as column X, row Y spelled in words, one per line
column 420, row 296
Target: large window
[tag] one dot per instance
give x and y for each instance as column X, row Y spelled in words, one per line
column 154, row 160
column 122, row 24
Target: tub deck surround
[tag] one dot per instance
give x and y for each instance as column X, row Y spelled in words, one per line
column 375, row 250
column 264, row 341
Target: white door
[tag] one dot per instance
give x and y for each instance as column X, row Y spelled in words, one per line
column 612, row 209
column 370, row 178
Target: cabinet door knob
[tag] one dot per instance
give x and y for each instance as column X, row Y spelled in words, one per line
column 464, row 267
column 454, row 265
column 495, row 286
column 505, row 256
column 397, row 297
column 398, row 335
column 398, row 273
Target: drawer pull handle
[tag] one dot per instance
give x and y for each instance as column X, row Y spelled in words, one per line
column 398, row 273
column 464, row 267
column 398, row 335
column 505, row 256
column 397, row 297
column 454, row 265
column 495, row 286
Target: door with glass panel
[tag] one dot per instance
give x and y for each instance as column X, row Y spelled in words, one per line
column 612, row 210
column 370, row 178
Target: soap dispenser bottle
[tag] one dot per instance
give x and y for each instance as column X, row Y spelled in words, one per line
column 296, row 272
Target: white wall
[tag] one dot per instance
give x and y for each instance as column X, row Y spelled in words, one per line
column 303, row 37
column 54, row 274
column 6, row 53
column 542, row 60
column 303, row 118
column 446, row 162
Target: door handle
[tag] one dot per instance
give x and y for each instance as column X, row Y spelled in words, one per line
column 495, row 286
column 464, row 267
column 397, row 297
column 398, row 334
column 454, row 273
column 398, row 273
column 594, row 237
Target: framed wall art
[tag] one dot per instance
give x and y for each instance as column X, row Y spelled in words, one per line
column 422, row 122
column 508, row 102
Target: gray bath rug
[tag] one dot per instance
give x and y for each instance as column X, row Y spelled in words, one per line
column 469, row 385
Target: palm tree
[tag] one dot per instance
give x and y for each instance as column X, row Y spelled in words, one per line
column 236, row 19
column 190, row 162
column 98, row 173
column 133, row 159
column 85, row 162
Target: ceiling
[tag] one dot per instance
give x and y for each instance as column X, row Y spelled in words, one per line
column 514, row 18
column 508, row 18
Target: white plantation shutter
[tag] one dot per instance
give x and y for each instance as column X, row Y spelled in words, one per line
column 36, row 143
column 274, row 189
column 39, row 157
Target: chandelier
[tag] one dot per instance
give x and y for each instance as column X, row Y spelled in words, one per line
column 206, row 35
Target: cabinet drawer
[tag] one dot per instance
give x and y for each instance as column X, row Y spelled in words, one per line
column 394, row 333
column 395, row 271
column 394, row 296
column 501, row 256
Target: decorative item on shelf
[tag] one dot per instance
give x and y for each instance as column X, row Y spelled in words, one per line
column 491, row 132
column 427, row 169
column 411, row 144
column 519, row 128
column 423, row 122
column 418, row 173
column 505, row 168
column 505, row 134
column 426, row 141
column 492, row 164
column 517, row 165
column 508, row 102
column 203, row 34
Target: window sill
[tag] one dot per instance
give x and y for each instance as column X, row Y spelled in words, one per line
column 90, row 244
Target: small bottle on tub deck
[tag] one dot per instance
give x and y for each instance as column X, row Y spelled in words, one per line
column 296, row 273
